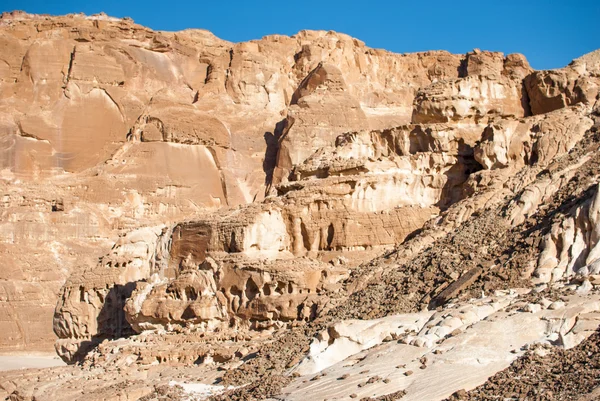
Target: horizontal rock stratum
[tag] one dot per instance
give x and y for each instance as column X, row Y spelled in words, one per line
column 296, row 215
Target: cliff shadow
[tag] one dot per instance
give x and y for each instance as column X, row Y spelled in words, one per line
column 271, row 150
column 454, row 189
column 111, row 321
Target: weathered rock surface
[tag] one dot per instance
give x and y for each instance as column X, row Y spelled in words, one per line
column 441, row 362
column 489, row 86
column 130, row 128
column 555, row 89
column 296, row 214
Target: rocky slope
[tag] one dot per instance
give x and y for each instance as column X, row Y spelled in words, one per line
column 296, row 215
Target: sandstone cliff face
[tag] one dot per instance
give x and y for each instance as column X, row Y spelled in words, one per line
column 576, row 83
column 350, row 193
column 191, row 201
column 126, row 127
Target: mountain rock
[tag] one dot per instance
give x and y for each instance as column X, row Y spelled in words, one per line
column 289, row 215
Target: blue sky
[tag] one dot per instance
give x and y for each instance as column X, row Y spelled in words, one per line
column 550, row 33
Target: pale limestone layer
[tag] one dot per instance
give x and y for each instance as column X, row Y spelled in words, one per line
column 464, row 345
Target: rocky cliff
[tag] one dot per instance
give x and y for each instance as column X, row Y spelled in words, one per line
column 287, row 209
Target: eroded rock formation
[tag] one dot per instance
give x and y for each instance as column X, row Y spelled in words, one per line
column 290, row 206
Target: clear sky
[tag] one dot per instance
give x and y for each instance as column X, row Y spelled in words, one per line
column 550, row 33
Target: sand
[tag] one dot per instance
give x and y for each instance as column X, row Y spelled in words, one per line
column 29, row 361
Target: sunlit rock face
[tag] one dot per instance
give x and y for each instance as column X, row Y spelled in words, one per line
column 158, row 182
column 107, row 126
column 556, row 89
column 177, row 208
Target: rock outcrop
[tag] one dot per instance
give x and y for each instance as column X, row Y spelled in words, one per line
column 131, row 128
column 556, row 89
column 304, row 213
